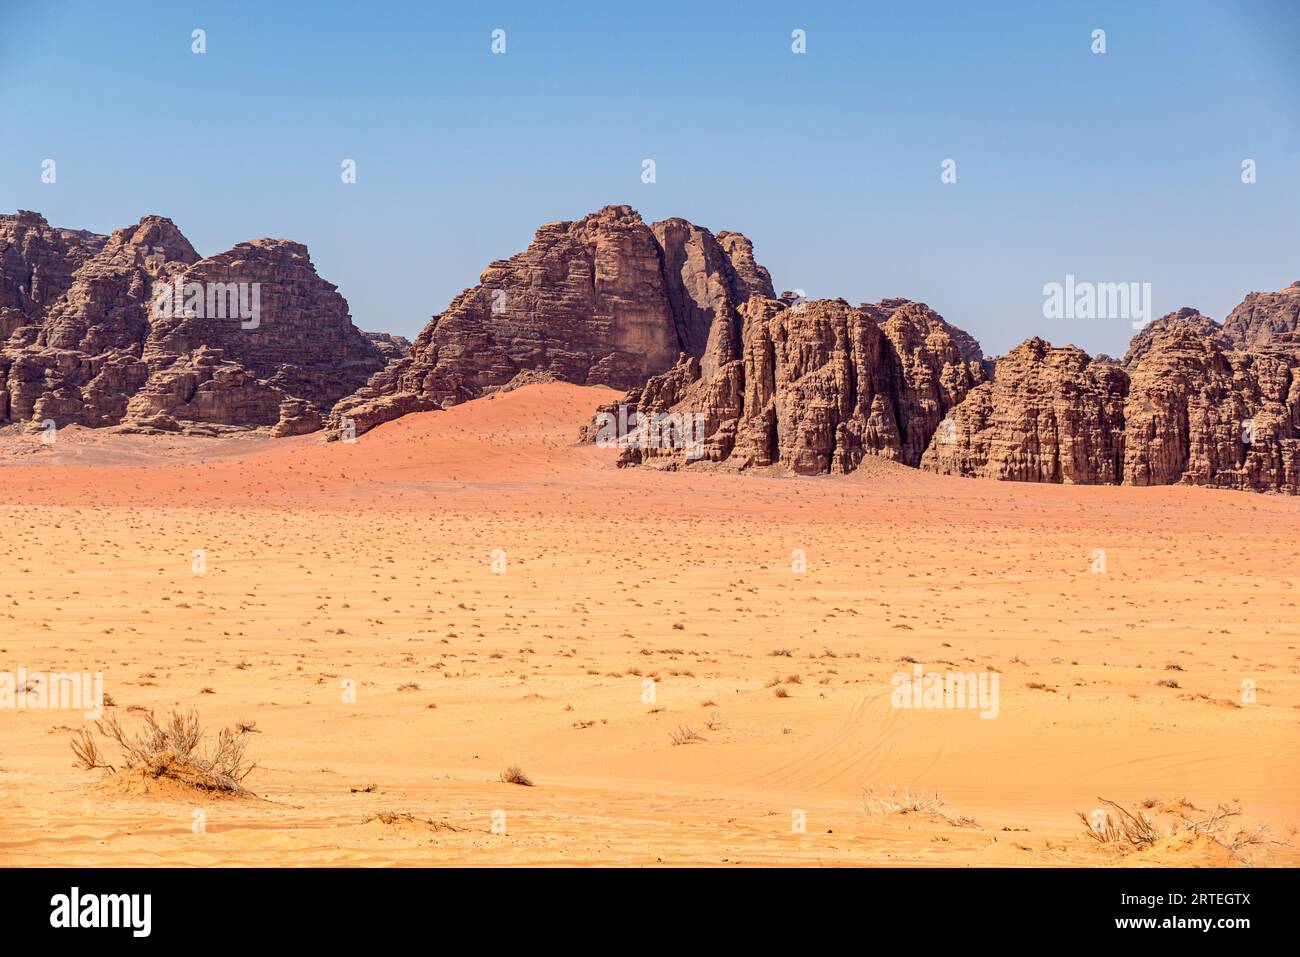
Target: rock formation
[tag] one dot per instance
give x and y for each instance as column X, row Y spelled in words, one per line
column 1049, row 415
column 390, row 346
column 1184, row 318
column 136, row 331
column 812, row 386
column 605, row 300
column 1267, row 322
column 815, row 387
column 1200, row 414
column 1186, row 409
column 36, row 266
column 109, row 332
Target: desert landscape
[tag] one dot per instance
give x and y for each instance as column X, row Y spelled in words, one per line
column 629, row 559
column 377, row 563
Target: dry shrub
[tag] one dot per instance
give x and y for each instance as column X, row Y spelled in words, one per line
column 1134, row 829
column 919, row 803
column 400, row 819
column 515, row 775
column 170, row 750
column 909, row 803
column 684, row 735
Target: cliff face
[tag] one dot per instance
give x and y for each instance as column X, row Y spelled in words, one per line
column 813, row 387
column 110, row 332
column 1049, row 415
column 605, row 300
column 1187, row 409
column 1199, row 414
column 1267, row 322
column 1185, row 318
column 36, row 266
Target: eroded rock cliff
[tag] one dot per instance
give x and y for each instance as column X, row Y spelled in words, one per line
column 604, row 300
column 137, row 330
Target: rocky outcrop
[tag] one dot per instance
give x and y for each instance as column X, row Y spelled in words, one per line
column 814, row 387
column 300, row 342
column 1049, row 415
column 36, row 266
column 138, row 331
column 809, row 386
column 390, row 346
column 1267, row 322
column 1199, row 414
column 604, row 300
column 1184, row 318
column 1186, row 409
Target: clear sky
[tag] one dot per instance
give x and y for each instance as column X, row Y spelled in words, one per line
column 1118, row 167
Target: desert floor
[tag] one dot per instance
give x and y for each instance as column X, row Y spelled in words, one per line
column 373, row 563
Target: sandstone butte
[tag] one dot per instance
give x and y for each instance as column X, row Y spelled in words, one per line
column 683, row 320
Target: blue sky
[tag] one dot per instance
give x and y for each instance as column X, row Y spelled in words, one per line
column 1121, row 167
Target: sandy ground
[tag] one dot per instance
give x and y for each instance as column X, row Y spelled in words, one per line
column 373, row 565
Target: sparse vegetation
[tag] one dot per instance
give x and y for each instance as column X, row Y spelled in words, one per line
column 1151, row 821
column 170, row 750
column 684, row 735
column 909, row 803
column 515, row 775
column 921, row 804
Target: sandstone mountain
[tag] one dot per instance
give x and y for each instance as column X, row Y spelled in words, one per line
column 1186, row 318
column 685, row 320
column 1049, row 415
column 1201, row 414
column 605, row 300
column 1186, row 408
column 815, row 386
column 84, row 341
column 1267, row 322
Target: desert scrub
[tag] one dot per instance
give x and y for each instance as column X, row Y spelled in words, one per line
column 170, row 750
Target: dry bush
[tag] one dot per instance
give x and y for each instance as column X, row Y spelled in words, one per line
column 396, row 817
column 1133, row 829
column 515, row 775
column 684, row 735
column 909, row 803
column 922, row 804
column 406, row 819
column 170, row 750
